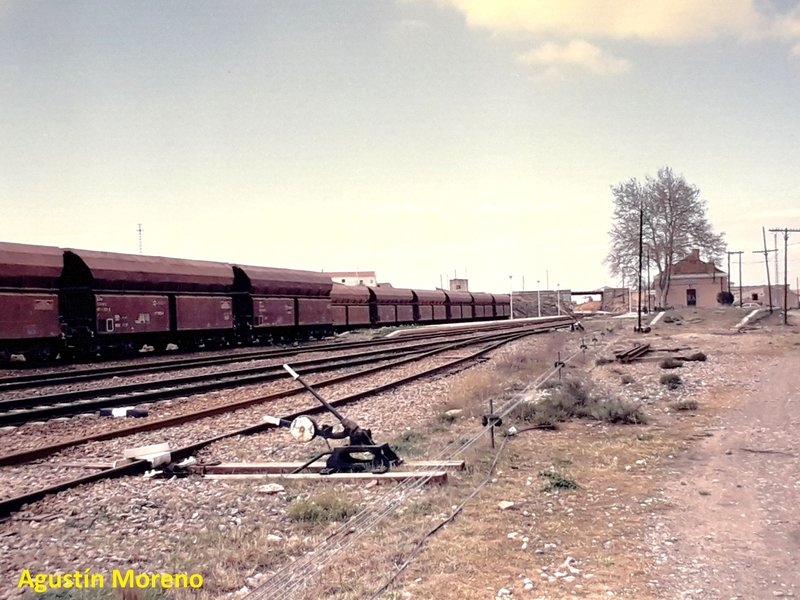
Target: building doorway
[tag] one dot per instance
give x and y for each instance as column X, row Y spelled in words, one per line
column 691, row 297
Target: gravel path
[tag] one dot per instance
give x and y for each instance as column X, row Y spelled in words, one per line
column 735, row 532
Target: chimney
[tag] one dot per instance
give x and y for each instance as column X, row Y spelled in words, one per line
column 695, row 255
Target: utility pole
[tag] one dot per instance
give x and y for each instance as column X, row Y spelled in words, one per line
column 741, row 300
column 729, row 271
column 641, row 252
column 786, row 232
column 511, row 296
column 649, row 282
column 539, row 297
column 140, row 238
column 775, row 241
column 766, row 262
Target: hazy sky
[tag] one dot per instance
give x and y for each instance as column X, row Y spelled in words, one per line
column 415, row 138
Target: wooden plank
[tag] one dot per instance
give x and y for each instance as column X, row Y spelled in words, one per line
column 392, row 476
column 288, row 467
column 83, row 465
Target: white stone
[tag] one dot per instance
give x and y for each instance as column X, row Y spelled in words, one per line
column 505, row 504
column 270, row 488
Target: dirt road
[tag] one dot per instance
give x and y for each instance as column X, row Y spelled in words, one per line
column 735, row 529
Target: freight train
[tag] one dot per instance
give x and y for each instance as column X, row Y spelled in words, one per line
column 67, row 303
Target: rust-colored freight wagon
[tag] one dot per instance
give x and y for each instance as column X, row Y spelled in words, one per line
column 152, row 300
column 502, row 305
column 430, row 306
column 389, row 305
column 119, row 314
column 459, row 306
column 28, row 316
column 203, row 313
column 29, row 304
column 272, row 300
column 350, row 306
column 482, row 305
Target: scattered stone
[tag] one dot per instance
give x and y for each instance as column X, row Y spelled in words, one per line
column 505, row 504
column 270, row 488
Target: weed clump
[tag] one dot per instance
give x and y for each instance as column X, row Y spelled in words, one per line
column 406, row 443
column 617, row 411
column 697, row 356
column 603, row 360
column 627, row 379
column 570, row 399
column 324, row 508
column 685, row 404
column 671, row 380
column 670, row 363
column 557, row 481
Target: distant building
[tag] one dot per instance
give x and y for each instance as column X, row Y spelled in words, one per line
column 459, row 285
column 759, row 294
column 694, row 282
column 353, row 277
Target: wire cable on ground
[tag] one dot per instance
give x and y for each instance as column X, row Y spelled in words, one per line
column 299, row 574
column 418, row 548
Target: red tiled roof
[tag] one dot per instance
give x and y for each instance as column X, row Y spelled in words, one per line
column 692, row 265
column 351, row 274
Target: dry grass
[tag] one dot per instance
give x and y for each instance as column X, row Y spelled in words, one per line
column 558, row 520
column 97, row 594
column 670, row 363
column 573, row 399
column 471, row 393
column 513, row 370
column 326, row 507
column 685, row 404
column 671, row 380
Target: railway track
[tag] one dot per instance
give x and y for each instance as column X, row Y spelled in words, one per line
column 37, row 380
column 487, row 343
column 33, row 408
column 22, row 409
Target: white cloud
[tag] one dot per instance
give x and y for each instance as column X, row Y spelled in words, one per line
column 796, row 50
column 576, row 53
column 671, row 21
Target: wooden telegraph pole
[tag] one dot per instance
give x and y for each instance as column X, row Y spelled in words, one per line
column 765, row 252
column 741, row 300
column 786, row 232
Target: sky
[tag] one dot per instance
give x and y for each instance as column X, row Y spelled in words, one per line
column 421, row 139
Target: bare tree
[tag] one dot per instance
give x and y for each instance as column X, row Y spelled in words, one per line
column 674, row 223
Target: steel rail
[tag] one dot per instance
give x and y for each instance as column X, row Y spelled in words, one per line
column 242, row 374
column 44, row 451
column 74, row 402
column 58, row 378
column 167, row 390
column 11, row 505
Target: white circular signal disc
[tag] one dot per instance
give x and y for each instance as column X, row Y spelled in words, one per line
column 303, row 429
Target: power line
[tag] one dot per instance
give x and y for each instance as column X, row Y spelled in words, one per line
column 786, row 232
column 766, row 263
column 739, row 252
